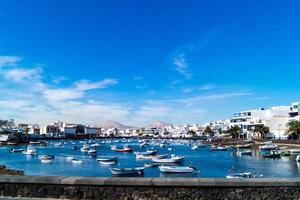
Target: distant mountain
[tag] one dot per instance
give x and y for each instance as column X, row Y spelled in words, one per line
column 158, row 124
column 113, row 124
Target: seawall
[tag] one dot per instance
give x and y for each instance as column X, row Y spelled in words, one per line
column 148, row 188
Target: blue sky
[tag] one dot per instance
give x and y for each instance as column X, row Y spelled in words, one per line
column 139, row 61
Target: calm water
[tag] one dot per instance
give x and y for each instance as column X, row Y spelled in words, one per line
column 210, row 163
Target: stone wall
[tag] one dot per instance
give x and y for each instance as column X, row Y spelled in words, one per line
column 148, row 188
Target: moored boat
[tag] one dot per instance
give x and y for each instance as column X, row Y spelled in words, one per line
column 125, row 149
column 30, row 151
column 243, row 146
column 172, row 159
column 76, row 161
column 245, row 152
column 107, row 158
column 16, row 150
column 108, row 162
column 178, row 169
column 34, row 142
column 146, row 153
column 268, row 147
column 272, row 154
column 127, row 171
column 240, row 175
column 92, row 152
column 218, row 148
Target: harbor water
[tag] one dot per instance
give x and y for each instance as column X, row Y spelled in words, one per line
column 213, row 164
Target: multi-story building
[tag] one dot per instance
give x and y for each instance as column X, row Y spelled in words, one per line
column 275, row 118
column 294, row 111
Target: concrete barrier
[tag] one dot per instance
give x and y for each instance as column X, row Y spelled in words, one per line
column 148, row 188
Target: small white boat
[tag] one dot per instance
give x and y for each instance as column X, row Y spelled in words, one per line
column 218, row 148
column 16, row 150
column 34, row 142
column 69, row 158
column 107, row 158
column 243, row 146
column 178, row 169
column 95, row 145
column 59, row 144
column 47, row 158
column 126, row 171
column 295, row 151
column 30, row 151
column 108, row 162
column 124, row 149
column 92, row 152
column 173, row 159
column 85, row 148
column 268, row 147
column 240, row 175
column 76, row 161
column 147, row 153
column 195, row 147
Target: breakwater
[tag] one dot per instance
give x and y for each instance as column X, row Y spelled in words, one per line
column 148, row 188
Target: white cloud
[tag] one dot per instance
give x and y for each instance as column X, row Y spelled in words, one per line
column 87, row 85
column 7, row 60
column 22, row 74
column 62, row 94
column 181, row 65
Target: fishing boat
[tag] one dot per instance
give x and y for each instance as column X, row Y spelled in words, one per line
column 127, row 171
column 125, row 149
column 178, row 169
column 245, row 152
column 218, row 148
column 34, row 142
column 146, row 153
column 195, row 147
column 240, row 175
column 59, row 144
column 268, row 147
column 95, row 145
column 69, row 158
column 30, row 151
column 295, row 151
column 12, row 143
column 76, row 161
column 108, row 162
column 272, row 154
column 107, row 158
column 243, row 146
column 173, row 159
column 85, row 148
column 92, row 152
column 16, row 150
column 47, row 158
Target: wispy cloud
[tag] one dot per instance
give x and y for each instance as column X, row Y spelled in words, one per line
column 198, row 88
column 7, row 60
column 87, row 85
column 181, row 65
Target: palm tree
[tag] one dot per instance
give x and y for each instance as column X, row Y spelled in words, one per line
column 293, row 129
column 262, row 130
column 234, row 131
column 208, row 131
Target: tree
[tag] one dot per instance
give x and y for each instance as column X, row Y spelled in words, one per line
column 262, row 130
column 293, row 129
column 191, row 132
column 208, row 131
column 234, row 131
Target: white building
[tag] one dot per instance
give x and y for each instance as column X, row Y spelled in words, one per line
column 275, row 118
column 294, row 111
